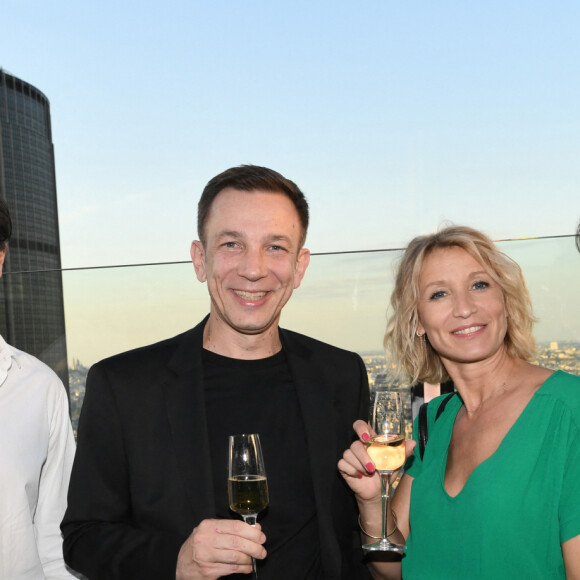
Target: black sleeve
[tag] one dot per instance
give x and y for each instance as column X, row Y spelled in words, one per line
column 359, row 570
column 100, row 538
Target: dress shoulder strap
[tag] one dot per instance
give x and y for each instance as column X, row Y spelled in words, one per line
column 422, row 422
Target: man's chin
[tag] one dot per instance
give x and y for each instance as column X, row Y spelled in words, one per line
column 254, row 330
column 251, row 327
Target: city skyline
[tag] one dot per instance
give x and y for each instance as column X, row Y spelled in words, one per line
column 557, row 356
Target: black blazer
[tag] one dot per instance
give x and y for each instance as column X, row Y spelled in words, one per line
column 141, row 481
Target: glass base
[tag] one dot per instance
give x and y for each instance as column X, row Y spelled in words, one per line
column 384, row 546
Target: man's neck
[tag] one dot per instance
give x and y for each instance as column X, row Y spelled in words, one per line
column 224, row 340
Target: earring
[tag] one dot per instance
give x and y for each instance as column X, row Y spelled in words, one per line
column 422, row 341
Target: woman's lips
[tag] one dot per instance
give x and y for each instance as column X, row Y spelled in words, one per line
column 468, row 329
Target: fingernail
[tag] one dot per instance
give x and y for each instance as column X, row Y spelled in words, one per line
column 370, row 467
column 365, row 437
column 359, row 475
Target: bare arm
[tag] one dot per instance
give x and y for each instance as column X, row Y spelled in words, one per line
column 571, row 553
column 359, row 472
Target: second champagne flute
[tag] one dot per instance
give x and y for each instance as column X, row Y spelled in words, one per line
column 247, row 483
column 387, row 450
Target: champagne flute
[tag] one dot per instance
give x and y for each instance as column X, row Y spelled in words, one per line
column 387, row 450
column 247, row 483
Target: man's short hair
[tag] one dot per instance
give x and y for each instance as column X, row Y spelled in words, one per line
column 5, row 225
column 251, row 178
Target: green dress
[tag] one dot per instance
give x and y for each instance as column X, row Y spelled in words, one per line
column 517, row 507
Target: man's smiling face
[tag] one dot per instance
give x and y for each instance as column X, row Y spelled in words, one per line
column 252, row 259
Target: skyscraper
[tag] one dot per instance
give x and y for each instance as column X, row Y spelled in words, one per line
column 31, row 299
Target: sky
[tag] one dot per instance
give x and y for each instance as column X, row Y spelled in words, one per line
column 393, row 117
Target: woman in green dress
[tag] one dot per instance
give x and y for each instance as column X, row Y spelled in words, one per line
column 496, row 494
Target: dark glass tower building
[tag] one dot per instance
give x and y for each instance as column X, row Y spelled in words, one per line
column 31, row 300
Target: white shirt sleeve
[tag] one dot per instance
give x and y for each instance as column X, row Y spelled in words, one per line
column 53, row 486
column 36, row 454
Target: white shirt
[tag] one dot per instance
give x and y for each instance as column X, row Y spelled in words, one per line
column 36, row 454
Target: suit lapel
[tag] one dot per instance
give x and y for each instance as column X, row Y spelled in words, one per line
column 185, row 404
column 316, row 399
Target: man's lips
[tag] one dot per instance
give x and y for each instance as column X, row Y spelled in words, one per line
column 468, row 329
column 250, row 296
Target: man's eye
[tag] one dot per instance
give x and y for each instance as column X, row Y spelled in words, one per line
column 277, row 248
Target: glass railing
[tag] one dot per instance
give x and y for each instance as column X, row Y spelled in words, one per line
column 342, row 300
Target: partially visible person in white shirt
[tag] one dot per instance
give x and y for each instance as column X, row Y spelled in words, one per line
column 36, row 453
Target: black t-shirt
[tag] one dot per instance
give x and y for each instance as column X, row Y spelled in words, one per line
column 258, row 396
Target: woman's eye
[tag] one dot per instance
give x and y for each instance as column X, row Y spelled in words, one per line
column 436, row 295
column 481, row 285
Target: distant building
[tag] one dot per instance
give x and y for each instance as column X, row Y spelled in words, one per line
column 31, row 300
column 381, row 382
column 77, row 380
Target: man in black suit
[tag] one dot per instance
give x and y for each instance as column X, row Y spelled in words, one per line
column 148, row 493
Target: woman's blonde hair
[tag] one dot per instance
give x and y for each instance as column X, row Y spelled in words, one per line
column 412, row 358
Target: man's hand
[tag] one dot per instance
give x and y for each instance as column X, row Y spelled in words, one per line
column 219, row 548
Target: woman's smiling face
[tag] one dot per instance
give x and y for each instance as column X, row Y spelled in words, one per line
column 461, row 308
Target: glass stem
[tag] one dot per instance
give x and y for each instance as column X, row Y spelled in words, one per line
column 385, row 502
column 251, row 520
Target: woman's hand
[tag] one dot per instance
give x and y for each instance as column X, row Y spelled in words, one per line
column 358, row 469
column 359, row 472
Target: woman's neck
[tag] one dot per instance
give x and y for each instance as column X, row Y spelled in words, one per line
column 484, row 382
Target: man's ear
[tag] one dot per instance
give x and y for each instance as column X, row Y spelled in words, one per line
column 198, row 259
column 301, row 264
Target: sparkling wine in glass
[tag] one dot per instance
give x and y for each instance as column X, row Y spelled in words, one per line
column 387, row 450
column 247, row 483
